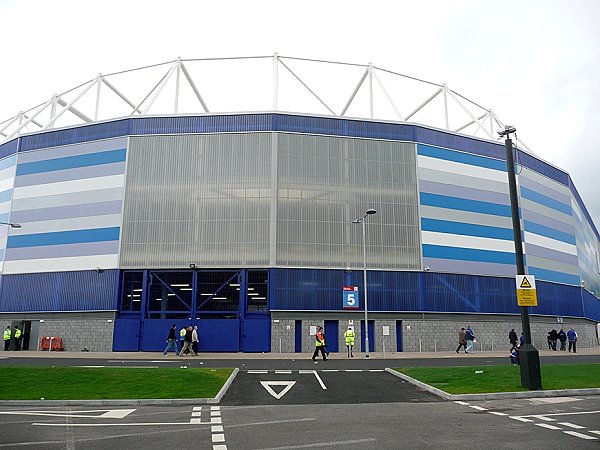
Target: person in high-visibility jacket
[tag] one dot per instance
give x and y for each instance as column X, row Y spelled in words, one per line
column 182, row 333
column 349, row 336
column 7, row 335
column 319, row 344
column 17, row 339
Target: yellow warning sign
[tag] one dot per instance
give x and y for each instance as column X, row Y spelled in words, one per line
column 526, row 293
column 525, row 283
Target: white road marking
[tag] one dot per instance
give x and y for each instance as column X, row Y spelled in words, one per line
column 520, row 419
column 567, row 414
column 376, row 370
column 498, row 413
column 196, row 413
column 137, row 424
column 330, row 370
column 215, row 420
column 215, row 408
column 90, row 367
column 548, row 426
column 571, row 425
column 267, row 385
column 478, row 408
column 323, row 444
column 258, row 371
column 107, row 413
column 544, row 418
column 594, row 431
column 580, row 435
column 219, row 447
column 284, row 372
column 197, row 408
column 462, row 403
column 216, row 429
column 215, row 413
column 218, row 438
column 552, row 400
column 196, row 421
column 353, row 370
column 314, row 372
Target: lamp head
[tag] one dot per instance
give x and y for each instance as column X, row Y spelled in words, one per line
column 371, row 211
column 508, row 129
column 192, row 266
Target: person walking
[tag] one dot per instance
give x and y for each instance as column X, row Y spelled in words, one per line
column 521, row 340
column 513, row 339
column 182, row 337
column 462, row 341
column 562, row 337
column 319, row 344
column 554, row 338
column 195, row 339
column 549, row 339
column 349, row 337
column 7, row 335
column 470, row 337
column 187, row 343
column 572, row 337
column 171, row 340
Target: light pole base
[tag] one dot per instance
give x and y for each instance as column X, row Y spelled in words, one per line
column 366, row 356
column 529, row 360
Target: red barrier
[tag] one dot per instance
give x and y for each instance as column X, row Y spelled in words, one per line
column 51, row 343
column 45, row 343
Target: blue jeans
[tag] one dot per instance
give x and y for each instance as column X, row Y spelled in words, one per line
column 469, row 346
column 171, row 343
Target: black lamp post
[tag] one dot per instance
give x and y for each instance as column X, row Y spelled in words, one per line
column 529, row 357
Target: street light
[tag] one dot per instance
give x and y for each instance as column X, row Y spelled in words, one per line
column 364, row 245
column 12, row 225
column 529, row 357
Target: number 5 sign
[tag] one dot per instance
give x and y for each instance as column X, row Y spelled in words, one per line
column 350, row 297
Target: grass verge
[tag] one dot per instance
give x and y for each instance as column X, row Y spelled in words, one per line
column 487, row 379
column 78, row 383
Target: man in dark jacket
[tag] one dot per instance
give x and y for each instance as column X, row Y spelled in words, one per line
column 462, row 342
column 171, row 340
column 562, row 337
column 513, row 338
column 553, row 338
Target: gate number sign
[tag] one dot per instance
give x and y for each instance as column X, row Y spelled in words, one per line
column 526, row 293
column 350, row 297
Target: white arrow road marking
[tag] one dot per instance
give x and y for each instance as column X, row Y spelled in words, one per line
column 267, row 385
column 314, row 372
column 108, row 413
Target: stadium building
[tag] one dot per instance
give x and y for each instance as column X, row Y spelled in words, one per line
column 244, row 223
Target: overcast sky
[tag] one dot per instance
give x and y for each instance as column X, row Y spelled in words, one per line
column 536, row 64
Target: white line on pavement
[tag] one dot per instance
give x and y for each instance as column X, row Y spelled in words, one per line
column 580, row 435
column 323, row 444
column 330, row 370
column 258, row 371
column 284, row 372
column 567, row 414
column 571, row 425
column 462, row 403
column 550, row 427
column 544, row 418
column 218, row 437
column 478, row 408
column 520, row 419
column 498, row 413
column 137, row 424
column 319, row 380
column 595, row 432
column 216, row 429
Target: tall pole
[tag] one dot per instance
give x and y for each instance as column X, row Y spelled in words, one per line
column 364, row 245
column 365, row 287
column 529, row 357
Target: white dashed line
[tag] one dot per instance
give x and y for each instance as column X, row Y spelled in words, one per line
column 376, row 370
column 478, row 408
column 195, row 421
column 283, row 372
column 258, row 371
column 571, row 425
column 218, row 438
column 580, row 435
column 353, row 370
column 595, row 432
column 462, row 403
column 216, row 429
column 215, row 413
column 196, row 413
column 544, row 418
column 520, row 419
column 550, row 427
column 498, row 413
column 215, row 420
column 330, row 370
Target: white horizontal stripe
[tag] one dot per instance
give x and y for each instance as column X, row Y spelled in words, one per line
column 548, row 426
column 218, row 438
column 9, row 172
column 197, row 408
column 196, row 421
column 520, row 419
column 462, row 169
column 216, row 429
column 76, row 223
column 461, row 403
column 498, row 413
column 476, row 242
column 197, row 414
column 257, row 371
column 571, row 425
column 60, row 264
column 478, row 408
column 543, row 241
column 6, row 184
column 215, row 408
column 580, row 435
column 65, row 187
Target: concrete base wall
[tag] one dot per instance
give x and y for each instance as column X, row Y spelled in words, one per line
column 427, row 333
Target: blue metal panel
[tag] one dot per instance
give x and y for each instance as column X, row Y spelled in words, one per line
column 591, row 305
column 70, row 162
column 546, row 201
column 463, row 204
column 399, row 336
column 542, row 167
column 126, row 336
column 467, row 254
column 155, row 332
column 583, row 208
column 298, row 336
column 467, row 229
column 219, row 335
column 371, row 336
column 557, row 300
column 84, row 290
column 256, row 334
column 9, row 148
column 201, row 124
column 331, row 335
column 64, row 237
column 460, row 157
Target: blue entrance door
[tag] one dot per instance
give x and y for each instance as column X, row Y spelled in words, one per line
column 371, row 335
column 331, row 335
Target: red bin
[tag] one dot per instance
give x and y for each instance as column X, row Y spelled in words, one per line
column 45, row 343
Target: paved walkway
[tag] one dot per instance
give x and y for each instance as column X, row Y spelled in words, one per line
column 283, row 356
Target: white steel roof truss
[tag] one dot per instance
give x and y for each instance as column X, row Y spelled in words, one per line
column 121, row 96
column 360, row 82
column 306, row 86
column 68, row 105
column 479, row 124
column 158, row 88
column 388, row 96
column 194, row 88
column 422, row 105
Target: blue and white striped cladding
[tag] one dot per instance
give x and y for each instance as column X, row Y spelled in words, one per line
column 8, row 167
column 69, row 201
column 466, row 224
column 548, row 228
